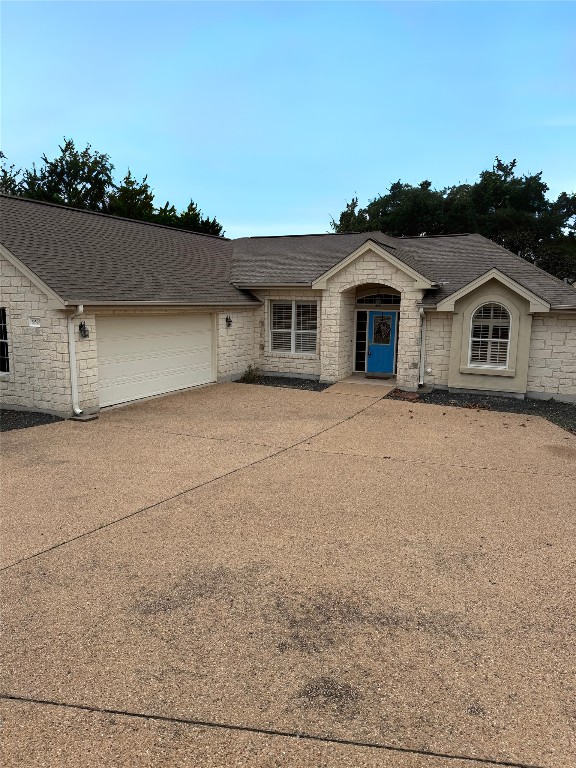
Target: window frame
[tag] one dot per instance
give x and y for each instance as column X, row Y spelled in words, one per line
column 4, row 342
column 488, row 365
column 293, row 330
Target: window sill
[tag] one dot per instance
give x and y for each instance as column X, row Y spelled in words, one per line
column 293, row 355
column 487, row 371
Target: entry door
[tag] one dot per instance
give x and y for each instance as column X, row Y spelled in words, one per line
column 381, row 341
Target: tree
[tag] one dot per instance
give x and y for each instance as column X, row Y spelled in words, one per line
column 132, row 199
column 79, row 179
column 10, row 180
column 84, row 179
column 512, row 210
column 192, row 219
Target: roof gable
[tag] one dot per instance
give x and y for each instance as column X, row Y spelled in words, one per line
column 371, row 245
column 54, row 300
column 537, row 304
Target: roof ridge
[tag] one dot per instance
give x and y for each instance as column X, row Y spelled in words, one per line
column 306, row 234
column 109, row 216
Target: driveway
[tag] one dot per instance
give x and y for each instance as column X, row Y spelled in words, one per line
column 246, row 576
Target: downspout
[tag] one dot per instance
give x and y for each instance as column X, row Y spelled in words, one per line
column 422, row 361
column 72, row 357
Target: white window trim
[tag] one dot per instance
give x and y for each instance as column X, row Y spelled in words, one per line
column 489, row 366
column 4, row 374
column 292, row 352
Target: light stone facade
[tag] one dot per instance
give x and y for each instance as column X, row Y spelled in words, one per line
column 552, row 361
column 39, row 376
column 338, row 304
column 437, row 348
column 270, row 361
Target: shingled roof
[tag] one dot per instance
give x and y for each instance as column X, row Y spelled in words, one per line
column 89, row 257
column 450, row 261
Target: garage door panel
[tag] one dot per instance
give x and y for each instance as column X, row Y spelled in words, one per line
column 149, row 355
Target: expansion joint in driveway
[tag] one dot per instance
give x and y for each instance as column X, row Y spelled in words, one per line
column 272, row 732
column 156, row 504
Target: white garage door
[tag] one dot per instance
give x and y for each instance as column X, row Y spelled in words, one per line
column 147, row 355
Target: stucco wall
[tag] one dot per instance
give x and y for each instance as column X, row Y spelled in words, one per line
column 284, row 362
column 338, row 301
column 510, row 379
column 39, row 376
column 552, row 361
column 437, row 345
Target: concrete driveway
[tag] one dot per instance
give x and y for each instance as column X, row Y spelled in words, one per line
column 247, row 576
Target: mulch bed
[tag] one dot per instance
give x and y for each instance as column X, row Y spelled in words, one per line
column 288, row 382
column 561, row 414
column 23, row 419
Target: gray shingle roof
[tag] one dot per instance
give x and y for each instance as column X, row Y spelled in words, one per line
column 87, row 257
column 451, row 261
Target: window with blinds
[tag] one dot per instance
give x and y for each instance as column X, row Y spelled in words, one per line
column 294, row 326
column 490, row 336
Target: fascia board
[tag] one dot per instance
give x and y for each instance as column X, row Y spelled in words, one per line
column 54, row 300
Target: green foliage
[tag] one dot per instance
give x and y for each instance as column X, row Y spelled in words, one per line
column 512, row 210
column 84, row 179
column 251, row 375
column 132, row 199
column 10, row 178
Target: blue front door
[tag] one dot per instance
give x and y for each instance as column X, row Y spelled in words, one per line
column 381, row 341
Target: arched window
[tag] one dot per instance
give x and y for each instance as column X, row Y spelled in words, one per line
column 490, row 336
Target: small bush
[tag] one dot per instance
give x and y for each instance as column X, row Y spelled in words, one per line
column 250, row 375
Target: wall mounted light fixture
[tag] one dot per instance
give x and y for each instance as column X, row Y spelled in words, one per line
column 84, row 332
column 228, row 321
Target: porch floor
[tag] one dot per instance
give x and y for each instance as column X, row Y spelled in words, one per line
column 359, row 385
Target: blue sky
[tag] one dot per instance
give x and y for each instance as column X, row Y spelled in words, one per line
column 272, row 115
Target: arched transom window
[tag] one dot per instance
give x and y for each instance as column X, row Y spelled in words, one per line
column 490, row 336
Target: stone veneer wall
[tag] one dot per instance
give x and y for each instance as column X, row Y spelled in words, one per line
column 39, row 376
column 338, row 301
column 236, row 345
column 285, row 362
column 437, row 348
column 552, row 361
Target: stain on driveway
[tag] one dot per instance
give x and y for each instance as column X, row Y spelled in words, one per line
column 424, row 606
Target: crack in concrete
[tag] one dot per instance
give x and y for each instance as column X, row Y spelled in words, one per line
column 269, row 732
column 180, row 493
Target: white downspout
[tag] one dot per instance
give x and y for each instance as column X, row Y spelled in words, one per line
column 72, row 357
column 422, row 348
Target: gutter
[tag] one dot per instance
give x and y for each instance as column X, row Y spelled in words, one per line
column 72, row 358
column 422, row 360
column 223, row 304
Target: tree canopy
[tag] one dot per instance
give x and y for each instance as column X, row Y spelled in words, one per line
column 510, row 209
column 84, row 179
